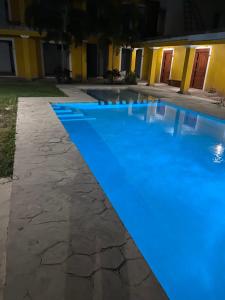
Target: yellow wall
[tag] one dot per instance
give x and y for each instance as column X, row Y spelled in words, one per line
column 114, row 62
column 178, row 63
column 153, row 64
column 28, row 58
column 79, row 62
column 216, row 70
column 145, row 65
column 19, row 57
column 158, row 65
column 133, row 60
column 187, row 70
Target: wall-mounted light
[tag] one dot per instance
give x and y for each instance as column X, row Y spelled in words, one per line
column 24, row 36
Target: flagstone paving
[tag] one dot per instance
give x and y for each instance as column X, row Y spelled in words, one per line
column 65, row 241
column 5, row 192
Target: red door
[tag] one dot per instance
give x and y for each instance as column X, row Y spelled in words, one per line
column 166, row 66
column 199, row 68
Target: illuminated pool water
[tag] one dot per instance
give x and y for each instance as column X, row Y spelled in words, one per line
column 163, row 169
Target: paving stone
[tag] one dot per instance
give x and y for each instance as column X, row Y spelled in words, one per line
column 108, row 285
column 109, row 259
column 78, row 288
column 65, row 240
column 80, row 265
column 134, row 272
column 56, row 254
column 5, row 192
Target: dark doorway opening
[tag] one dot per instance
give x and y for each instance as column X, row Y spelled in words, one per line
column 138, row 63
column 52, row 58
column 97, row 60
column 126, row 59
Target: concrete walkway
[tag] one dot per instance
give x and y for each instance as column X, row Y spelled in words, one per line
column 5, row 193
column 65, row 240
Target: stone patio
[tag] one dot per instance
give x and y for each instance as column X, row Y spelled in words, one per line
column 65, row 241
column 5, row 192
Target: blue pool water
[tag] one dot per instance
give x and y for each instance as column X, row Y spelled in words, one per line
column 163, row 169
column 116, row 94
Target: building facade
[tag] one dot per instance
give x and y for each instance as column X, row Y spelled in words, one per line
column 186, row 61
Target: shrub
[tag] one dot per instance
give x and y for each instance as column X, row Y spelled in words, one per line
column 111, row 75
column 131, row 78
column 62, row 76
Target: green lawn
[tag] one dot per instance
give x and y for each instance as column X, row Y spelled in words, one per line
column 9, row 92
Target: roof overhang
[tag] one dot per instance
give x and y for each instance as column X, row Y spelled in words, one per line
column 196, row 39
column 17, row 32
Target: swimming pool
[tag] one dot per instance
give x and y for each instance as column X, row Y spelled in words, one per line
column 117, row 95
column 163, row 169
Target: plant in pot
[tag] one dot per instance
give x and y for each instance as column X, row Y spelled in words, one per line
column 111, row 75
column 131, row 78
column 63, row 75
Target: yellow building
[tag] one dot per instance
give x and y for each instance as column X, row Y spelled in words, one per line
column 195, row 61
column 24, row 53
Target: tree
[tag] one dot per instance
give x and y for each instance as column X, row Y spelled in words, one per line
column 117, row 22
column 63, row 21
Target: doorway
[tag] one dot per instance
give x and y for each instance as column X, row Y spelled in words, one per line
column 97, row 60
column 126, row 59
column 166, row 66
column 138, row 63
column 199, row 68
column 52, row 58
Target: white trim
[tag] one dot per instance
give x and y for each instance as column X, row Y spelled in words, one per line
column 160, row 73
column 207, row 67
column 42, row 59
column 189, row 46
column 120, row 59
column 171, row 66
column 142, row 60
column 14, row 56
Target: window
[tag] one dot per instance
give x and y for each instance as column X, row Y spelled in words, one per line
column 7, row 66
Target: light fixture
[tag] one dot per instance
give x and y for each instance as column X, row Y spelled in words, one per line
column 24, row 36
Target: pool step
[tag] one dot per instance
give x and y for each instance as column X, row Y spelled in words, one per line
column 77, row 119
column 63, row 111
column 71, row 115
